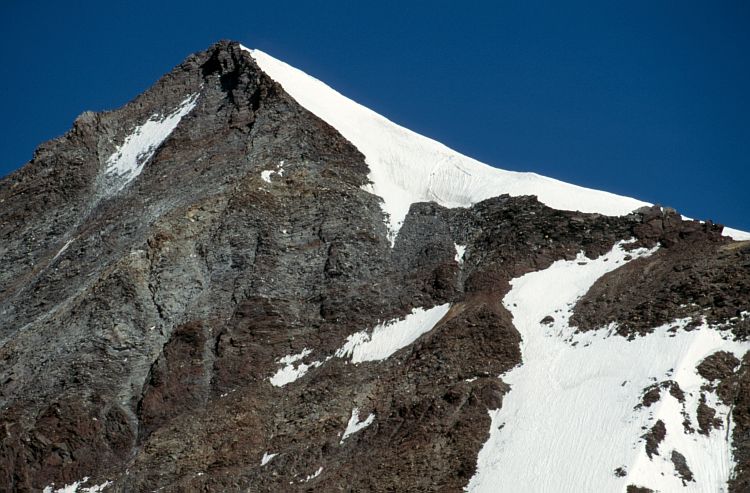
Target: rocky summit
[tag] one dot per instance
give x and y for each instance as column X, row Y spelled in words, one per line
column 244, row 281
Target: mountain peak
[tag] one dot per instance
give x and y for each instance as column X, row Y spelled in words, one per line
column 407, row 168
column 244, row 280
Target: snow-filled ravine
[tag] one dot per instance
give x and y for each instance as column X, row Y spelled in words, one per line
column 355, row 425
column 389, row 337
column 406, row 167
column 385, row 339
column 571, row 418
column 128, row 160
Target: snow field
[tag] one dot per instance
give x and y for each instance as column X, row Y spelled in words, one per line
column 572, row 411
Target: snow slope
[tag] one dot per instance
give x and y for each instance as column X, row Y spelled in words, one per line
column 406, row 167
column 386, row 339
column 131, row 156
column 736, row 234
column 572, row 417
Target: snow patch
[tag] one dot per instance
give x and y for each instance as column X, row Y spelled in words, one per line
column 460, row 251
column 267, row 458
column 266, row 174
column 386, row 339
column 736, row 234
column 389, row 337
column 289, row 373
column 596, row 380
column 77, row 487
column 131, row 156
column 355, row 425
column 293, row 358
column 313, row 475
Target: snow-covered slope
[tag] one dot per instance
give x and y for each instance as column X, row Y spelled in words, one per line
column 389, row 337
column 406, row 167
column 128, row 160
column 579, row 394
column 385, row 339
column 736, row 234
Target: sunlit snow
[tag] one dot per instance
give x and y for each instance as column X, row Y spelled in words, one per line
column 291, row 372
column 736, row 234
column 131, row 156
column 313, row 475
column 385, row 340
column 406, row 167
column 267, row 458
column 391, row 336
column 572, row 408
column 77, row 487
column 355, row 425
column 460, row 251
column 265, row 175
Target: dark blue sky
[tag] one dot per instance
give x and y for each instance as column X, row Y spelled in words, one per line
column 642, row 98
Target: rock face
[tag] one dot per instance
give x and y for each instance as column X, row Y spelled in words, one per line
column 180, row 326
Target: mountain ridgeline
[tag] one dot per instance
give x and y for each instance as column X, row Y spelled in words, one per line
column 243, row 281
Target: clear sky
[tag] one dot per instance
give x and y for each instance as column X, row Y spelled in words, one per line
column 649, row 99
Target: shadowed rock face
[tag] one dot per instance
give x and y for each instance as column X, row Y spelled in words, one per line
column 139, row 328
